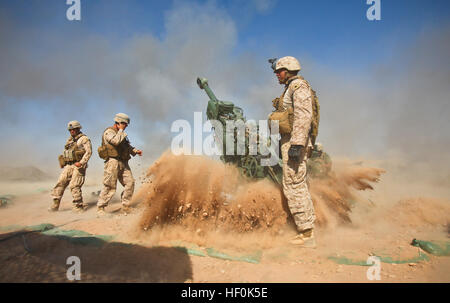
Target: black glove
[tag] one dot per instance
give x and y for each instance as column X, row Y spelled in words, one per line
column 296, row 152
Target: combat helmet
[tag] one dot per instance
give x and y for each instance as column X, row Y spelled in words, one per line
column 289, row 63
column 121, row 117
column 73, row 124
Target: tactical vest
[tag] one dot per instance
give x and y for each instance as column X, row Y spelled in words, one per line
column 72, row 152
column 121, row 152
column 285, row 116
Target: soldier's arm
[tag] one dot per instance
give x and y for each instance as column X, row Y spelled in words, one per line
column 114, row 138
column 88, row 148
column 132, row 150
column 302, row 102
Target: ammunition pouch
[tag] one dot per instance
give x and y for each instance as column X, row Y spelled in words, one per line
column 102, row 152
column 61, row 161
column 285, row 120
column 107, row 151
column 78, row 155
column 72, row 153
column 70, row 156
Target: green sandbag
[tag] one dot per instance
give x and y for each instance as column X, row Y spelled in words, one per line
column 347, row 261
column 73, row 236
column 91, row 241
column 10, row 227
column 79, row 236
column 195, row 250
column 255, row 258
column 437, row 248
column 75, row 233
column 36, row 228
column 191, row 251
column 40, row 227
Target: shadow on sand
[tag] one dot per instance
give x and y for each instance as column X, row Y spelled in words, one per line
column 35, row 257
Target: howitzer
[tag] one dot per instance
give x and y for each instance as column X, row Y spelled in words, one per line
column 232, row 134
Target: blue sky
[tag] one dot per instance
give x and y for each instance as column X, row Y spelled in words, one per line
column 142, row 57
column 332, row 32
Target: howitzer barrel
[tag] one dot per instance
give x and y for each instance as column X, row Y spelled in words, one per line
column 226, row 113
column 203, row 84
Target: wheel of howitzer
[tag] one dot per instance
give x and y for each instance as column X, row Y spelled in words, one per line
column 249, row 166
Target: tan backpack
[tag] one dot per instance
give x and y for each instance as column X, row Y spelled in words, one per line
column 105, row 151
column 314, row 130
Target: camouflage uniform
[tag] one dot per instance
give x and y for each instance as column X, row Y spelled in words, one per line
column 71, row 175
column 117, row 169
column 298, row 94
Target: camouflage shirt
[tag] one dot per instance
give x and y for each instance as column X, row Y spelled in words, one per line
column 298, row 95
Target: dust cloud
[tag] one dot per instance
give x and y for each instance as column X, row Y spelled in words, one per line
column 203, row 194
column 204, row 201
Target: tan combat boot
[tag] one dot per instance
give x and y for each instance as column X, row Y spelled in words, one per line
column 101, row 211
column 305, row 239
column 55, row 205
column 78, row 207
column 125, row 210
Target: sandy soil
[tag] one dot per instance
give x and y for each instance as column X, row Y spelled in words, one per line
column 384, row 221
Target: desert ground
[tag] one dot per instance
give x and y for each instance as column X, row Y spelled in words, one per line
column 185, row 210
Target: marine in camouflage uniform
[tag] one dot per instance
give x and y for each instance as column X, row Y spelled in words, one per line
column 297, row 95
column 117, row 149
column 319, row 164
column 77, row 152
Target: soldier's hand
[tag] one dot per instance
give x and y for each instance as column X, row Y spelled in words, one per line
column 122, row 125
column 296, row 152
column 77, row 164
column 139, row 152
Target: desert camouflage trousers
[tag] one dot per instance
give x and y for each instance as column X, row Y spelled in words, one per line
column 73, row 177
column 295, row 188
column 116, row 170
